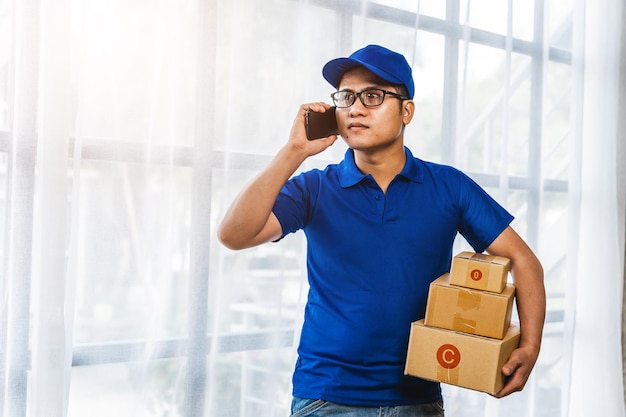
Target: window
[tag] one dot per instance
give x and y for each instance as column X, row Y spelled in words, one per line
column 170, row 124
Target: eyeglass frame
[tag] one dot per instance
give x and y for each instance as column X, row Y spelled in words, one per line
column 385, row 93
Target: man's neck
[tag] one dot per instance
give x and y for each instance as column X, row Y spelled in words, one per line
column 383, row 165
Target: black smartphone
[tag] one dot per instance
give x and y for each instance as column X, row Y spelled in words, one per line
column 320, row 125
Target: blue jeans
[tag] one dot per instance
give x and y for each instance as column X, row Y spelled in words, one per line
column 301, row 407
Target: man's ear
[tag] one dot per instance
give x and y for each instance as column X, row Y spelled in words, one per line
column 408, row 110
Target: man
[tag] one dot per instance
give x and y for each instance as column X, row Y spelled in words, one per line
column 380, row 227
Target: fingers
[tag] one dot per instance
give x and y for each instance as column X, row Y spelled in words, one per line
column 510, row 367
column 319, row 107
column 513, row 383
column 516, row 372
column 298, row 139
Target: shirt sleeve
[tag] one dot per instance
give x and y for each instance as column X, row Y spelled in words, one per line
column 292, row 206
column 482, row 217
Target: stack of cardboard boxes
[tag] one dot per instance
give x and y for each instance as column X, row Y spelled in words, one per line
column 466, row 336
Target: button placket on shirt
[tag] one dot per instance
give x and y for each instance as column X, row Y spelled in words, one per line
column 384, row 202
column 378, row 196
column 390, row 199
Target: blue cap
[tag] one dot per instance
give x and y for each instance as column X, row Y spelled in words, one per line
column 387, row 64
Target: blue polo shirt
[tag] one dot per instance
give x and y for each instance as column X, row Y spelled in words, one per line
column 371, row 257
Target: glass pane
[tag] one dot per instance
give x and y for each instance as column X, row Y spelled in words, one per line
column 252, row 384
column 553, row 231
column 481, row 117
column 6, row 31
column 4, row 198
column 434, row 8
column 409, row 5
column 133, row 253
column 5, row 288
column 523, row 19
column 560, row 23
column 519, row 122
column 489, row 15
column 489, row 126
column 492, row 15
column 259, row 288
column 549, row 373
column 136, row 389
column 398, row 38
column 423, row 135
column 125, row 90
column 260, row 67
column 556, row 127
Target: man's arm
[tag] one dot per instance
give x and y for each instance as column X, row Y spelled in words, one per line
column 530, row 296
column 249, row 221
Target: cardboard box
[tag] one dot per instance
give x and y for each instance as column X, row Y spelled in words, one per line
column 460, row 359
column 480, row 271
column 468, row 310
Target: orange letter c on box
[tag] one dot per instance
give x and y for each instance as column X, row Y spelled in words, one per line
column 448, row 356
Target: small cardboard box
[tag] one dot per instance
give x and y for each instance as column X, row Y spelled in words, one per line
column 480, row 271
column 468, row 310
column 460, row 359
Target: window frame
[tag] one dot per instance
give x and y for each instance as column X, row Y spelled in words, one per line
column 21, row 155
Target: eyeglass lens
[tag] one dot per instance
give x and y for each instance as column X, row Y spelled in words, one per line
column 370, row 97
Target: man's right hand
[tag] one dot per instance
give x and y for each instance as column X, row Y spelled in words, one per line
column 297, row 138
column 249, row 221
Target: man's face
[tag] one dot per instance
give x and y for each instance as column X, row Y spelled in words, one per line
column 370, row 128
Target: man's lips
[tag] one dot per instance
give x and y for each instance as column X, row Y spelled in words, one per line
column 357, row 126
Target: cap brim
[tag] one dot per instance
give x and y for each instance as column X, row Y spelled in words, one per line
column 336, row 68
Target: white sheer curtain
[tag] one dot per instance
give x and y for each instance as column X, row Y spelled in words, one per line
column 127, row 127
column 596, row 381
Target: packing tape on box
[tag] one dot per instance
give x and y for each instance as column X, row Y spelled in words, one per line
column 480, row 257
column 464, row 325
column 448, row 375
column 469, row 300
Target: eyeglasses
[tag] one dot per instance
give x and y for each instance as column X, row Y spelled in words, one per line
column 370, row 97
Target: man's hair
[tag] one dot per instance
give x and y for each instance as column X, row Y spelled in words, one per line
column 402, row 90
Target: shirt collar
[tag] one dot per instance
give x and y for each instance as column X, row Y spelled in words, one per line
column 349, row 173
